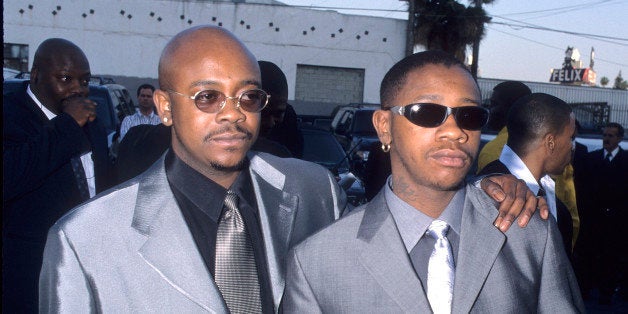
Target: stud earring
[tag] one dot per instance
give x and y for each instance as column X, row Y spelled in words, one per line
column 165, row 120
column 385, row 147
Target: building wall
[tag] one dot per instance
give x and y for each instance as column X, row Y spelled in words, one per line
column 123, row 38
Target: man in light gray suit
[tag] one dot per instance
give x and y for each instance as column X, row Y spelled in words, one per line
column 153, row 244
column 149, row 245
column 378, row 260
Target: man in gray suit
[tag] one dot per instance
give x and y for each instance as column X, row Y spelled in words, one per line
column 156, row 242
column 150, row 245
column 377, row 259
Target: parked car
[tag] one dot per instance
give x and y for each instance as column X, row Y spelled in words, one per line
column 114, row 103
column 353, row 127
column 321, row 147
column 9, row 73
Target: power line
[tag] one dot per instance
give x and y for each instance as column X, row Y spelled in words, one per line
column 553, row 47
column 592, row 36
column 559, row 10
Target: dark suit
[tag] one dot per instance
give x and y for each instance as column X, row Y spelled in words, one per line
column 39, row 186
column 604, row 238
column 563, row 219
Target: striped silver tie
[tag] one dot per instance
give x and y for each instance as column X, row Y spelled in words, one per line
column 236, row 272
column 440, row 269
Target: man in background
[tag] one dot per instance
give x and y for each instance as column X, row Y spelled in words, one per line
column 505, row 94
column 602, row 248
column 541, row 131
column 55, row 157
column 146, row 113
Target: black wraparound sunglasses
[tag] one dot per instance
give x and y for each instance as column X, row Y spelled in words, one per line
column 429, row 115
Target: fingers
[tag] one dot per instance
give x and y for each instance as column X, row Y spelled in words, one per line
column 543, row 207
column 528, row 208
column 81, row 109
column 512, row 194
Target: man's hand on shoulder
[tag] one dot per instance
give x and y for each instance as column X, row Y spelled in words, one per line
column 83, row 110
column 515, row 198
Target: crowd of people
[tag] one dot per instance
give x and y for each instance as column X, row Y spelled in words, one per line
column 206, row 210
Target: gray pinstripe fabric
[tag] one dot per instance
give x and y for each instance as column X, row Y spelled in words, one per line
column 236, row 273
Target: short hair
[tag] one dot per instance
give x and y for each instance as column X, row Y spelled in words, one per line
column 273, row 79
column 620, row 129
column 145, row 86
column 533, row 116
column 395, row 78
column 510, row 92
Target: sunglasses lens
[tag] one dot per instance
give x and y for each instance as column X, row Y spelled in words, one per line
column 426, row 115
column 253, row 100
column 209, row 100
column 471, row 118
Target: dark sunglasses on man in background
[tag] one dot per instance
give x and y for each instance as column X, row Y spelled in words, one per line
column 428, row 115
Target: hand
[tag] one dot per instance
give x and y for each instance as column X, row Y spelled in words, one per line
column 83, row 110
column 516, row 200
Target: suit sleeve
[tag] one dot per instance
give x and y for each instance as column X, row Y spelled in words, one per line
column 63, row 287
column 298, row 296
column 559, row 292
column 31, row 153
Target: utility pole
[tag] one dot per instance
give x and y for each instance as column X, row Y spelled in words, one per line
column 476, row 48
column 410, row 32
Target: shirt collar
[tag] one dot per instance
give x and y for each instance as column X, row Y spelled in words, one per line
column 412, row 223
column 49, row 114
column 517, row 168
column 613, row 153
column 150, row 115
column 204, row 193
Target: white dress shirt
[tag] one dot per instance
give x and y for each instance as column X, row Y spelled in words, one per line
column 517, row 168
column 86, row 159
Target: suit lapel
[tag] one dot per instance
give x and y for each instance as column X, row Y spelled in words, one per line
column 169, row 248
column 385, row 256
column 277, row 211
column 480, row 244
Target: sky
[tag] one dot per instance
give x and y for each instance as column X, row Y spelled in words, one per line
column 517, row 53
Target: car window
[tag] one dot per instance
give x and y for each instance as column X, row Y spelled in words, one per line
column 323, row 148
column 103, row 109
column 363, row 123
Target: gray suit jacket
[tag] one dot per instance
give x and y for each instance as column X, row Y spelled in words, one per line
column 360, row 265
column 130, row 249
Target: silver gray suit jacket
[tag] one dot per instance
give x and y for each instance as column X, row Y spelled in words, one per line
column 130, row 250
column 359, row 265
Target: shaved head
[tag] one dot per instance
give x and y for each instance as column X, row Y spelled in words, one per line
column 60, row 70
column 53, row 48
column 189, row 43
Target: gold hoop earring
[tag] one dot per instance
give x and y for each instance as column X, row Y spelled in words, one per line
column 385, row 147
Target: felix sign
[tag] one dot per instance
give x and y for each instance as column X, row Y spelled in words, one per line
column 568, row 75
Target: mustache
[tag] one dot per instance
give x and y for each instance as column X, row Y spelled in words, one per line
column 229, row 129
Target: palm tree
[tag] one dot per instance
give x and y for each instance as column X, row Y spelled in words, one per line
column 448, row 25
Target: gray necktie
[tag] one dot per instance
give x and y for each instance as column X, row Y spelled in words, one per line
column 236, row 272
column 440, row 269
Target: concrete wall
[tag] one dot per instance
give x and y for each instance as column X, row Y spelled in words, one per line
column 124, row 38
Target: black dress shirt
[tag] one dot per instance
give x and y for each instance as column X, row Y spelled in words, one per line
column 201, row 202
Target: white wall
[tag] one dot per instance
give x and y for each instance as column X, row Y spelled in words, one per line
column 118, row 46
